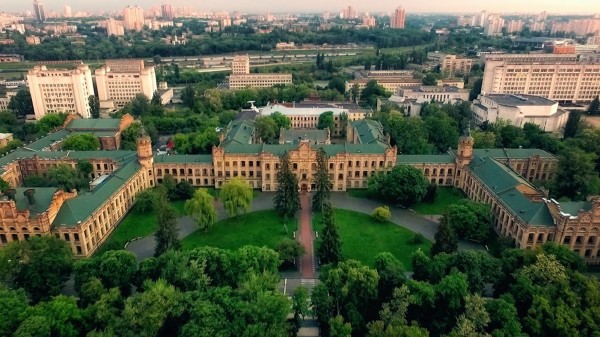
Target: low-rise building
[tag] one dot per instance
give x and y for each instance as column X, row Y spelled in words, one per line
column 422, row 94
column 520, row 109
column 5, row 138
column 10, row 58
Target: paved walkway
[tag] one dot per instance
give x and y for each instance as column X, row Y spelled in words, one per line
column 144, row 248
column 307, row 261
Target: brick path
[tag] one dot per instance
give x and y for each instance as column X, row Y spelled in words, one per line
column 307, row 262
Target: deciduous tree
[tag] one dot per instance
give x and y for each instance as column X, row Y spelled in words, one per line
column 445, row 240
column 236, row 196
column 81, row 142
column 202, row 209
column 404, row 185
column 21, row 103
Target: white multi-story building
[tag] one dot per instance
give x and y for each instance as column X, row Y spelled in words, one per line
column 520, row 109
column 60, row 90
column 562, row 81
column 241, row 78
column 119, row 81
column 431, row 94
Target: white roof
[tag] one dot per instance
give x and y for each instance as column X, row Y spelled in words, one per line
column 304, row 111
column 5, row 135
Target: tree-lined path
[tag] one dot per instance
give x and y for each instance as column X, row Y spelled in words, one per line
column 307, row 261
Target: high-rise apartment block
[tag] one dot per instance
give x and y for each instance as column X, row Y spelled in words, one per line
column 558, row 77
column 67, row 12
column 133, row 18
column 348, row 13
column 398, row 18
column 114, row 27
column 60, row 90
column 38, row 9
column 493, row 26
column 119, row 81
column 166, row 11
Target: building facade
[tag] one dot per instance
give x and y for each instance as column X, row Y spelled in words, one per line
column 557, row 81
column 501, row 178
column 422, row 94
column 241, row 78
column 60, row 90
column 520, row 109
column 119, row 81
column 133, row 18
column 398, row 18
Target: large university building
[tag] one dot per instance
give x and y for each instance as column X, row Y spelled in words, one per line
column 241, row 77
column 119, row 81
column 60, row 90
column 502, row 178
column 561, row 81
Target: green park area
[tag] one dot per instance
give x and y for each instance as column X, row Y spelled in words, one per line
column 445, row 197
column 363, row 238
column 135, row 224
column 263, row 228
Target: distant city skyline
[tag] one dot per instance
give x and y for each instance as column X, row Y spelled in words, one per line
column 334, row 6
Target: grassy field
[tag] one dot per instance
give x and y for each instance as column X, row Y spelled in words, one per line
column 363, row 238
column 264, row 228
column 446, row 196
column 135, row 224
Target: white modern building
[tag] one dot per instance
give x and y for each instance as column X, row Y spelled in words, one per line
column 423, row 94
column 119, row 81
column 520, row 109
column 60, row 90
column 562, row 81
column 241, row 78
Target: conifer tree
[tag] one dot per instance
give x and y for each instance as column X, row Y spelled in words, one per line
column 287, row 199
column 330, row 249
column 322, row 183
column 445, row 240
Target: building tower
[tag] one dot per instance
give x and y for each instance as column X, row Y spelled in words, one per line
column 144, row 151
column 38, row 9
column 398, row 18
column 464, row 155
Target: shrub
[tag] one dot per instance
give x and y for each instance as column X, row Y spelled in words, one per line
column 289, row 250
column 416, row 239
column 382, row 214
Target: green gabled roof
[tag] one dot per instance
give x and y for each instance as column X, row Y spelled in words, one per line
column 426, row 159
column 279, row 149
column 98, row 134
column 46, row 141
column 369, row 131
column 532, row 213
column 239, row 132
column 82, row 206
column 183, row 158
column 94, row 124
column 502, row 181
column 511, row 153
column 574, row 207
column 43, row 198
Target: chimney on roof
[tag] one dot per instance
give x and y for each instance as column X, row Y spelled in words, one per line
column 11, row 194
column 30, row 194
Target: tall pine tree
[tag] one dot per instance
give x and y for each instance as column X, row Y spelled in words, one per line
column 166, row 235
column 330, row 249
column 322, row 183
column 573, row 124
column 287, row 199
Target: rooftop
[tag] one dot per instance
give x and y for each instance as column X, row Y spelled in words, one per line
column 370, row 132
column 94, row 124
column 239, row 132
column 426, row 159
column 279, row 149
column 300, row 111
column 79, row 208
column 183, row 158
column 294, row 136
column 574, row 207
column 503, row 182
column 519, row 100
column 43, row 198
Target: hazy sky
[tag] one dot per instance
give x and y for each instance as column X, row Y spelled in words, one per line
column 552, row 6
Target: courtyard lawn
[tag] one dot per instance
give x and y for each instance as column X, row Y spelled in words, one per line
column 363, row 238
column 446, row 196
column 263, row 228
column 133, row 225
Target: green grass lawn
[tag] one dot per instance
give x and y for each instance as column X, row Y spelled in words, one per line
column 135, row 224
column 446, row 196
column 363, row 238
column 263, row 228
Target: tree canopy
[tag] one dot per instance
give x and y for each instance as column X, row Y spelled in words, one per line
column 81, row 142
column 202, row 209
column 236, row 196
column 404, row 185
